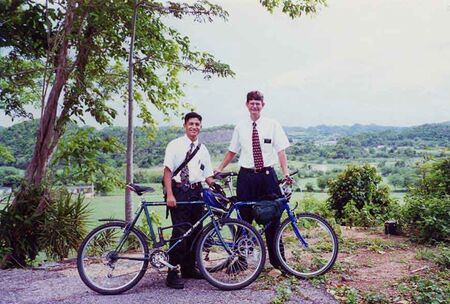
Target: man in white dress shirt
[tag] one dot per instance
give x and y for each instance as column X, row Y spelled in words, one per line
column 185, row 186
column 261, row 142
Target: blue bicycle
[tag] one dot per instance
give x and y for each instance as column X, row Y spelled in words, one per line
column 305, row 243
column 114, row 256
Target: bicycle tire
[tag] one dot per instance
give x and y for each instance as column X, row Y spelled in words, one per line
column 246, row 245
column 98, row 265
column 318, row 257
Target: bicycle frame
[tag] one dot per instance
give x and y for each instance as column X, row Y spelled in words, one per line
column 161, row 242
column 235, row 207
column 291, row 216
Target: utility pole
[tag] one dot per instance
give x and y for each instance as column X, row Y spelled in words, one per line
column 130, row 136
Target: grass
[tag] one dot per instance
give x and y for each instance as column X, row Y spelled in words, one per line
column 113, row 206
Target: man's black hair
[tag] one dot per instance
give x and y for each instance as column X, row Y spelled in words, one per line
column 192, row 115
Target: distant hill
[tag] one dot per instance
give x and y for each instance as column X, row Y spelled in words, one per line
column 20, row 138
column 326, row 130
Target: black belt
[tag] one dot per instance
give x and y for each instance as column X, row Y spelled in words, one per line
column 187, row 186
column 263, row 169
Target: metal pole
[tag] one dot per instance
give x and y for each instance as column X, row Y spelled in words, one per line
column 130, row 138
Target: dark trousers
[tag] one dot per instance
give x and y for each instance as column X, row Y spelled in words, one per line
column 181, row 254
column 259, row 186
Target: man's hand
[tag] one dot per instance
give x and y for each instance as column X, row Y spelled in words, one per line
column 216, row 171
column 288, row 180
column 171, row 201
column 218, row 189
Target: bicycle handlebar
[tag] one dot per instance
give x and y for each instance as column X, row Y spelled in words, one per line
column 223, row 175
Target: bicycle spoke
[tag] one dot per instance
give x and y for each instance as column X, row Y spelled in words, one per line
column 235, row 270
column 315, row 259
column 105, row 270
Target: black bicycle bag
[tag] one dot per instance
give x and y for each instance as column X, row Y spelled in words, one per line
column 265, row 212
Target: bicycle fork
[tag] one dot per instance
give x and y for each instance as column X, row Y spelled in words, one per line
column 293, row 220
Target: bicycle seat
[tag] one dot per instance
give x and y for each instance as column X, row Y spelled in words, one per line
column 139, row 189
column 223, row 175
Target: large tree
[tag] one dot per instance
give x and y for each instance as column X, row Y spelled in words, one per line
column 70, row 58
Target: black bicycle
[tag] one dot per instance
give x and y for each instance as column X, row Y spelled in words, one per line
column 305, row 243
column 114, row 256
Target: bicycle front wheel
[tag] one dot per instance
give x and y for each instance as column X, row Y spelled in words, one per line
column 110, row 262
column 231, row 256
column 314, row 259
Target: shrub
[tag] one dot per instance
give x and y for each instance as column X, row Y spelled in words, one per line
column 68, row 216
column 426, row 219
column 10, row 177
column 311, row 204
column 309, row 187
column 369, row 200
column 20, row 225
column 147, row 176
column 40, row 220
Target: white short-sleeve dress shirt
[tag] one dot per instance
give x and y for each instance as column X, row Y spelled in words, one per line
column 199, row 167
column 272, row 139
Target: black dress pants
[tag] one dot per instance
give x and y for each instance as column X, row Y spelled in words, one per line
column 252, row 186
column 181, row 254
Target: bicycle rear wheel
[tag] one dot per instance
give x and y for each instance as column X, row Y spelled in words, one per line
column 105, row 266
column 319, row 255
column 231, row 257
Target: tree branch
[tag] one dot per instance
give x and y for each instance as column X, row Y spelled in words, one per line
column 179, row 10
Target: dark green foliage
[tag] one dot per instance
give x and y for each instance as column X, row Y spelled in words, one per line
column 84, row 157
column 20, row 227
column 143, row 176
column 19, row 139
column 65, row 225
column 360, row 186
column 434, row 178
column 10, row 177
column 426, row 213
column 430, row 289
column 5, row 155
column 27, row 228
column 426, row 218
column 309, row 187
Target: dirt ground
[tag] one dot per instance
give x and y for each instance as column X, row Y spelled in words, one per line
column 62, row 284
column 368, row 261
column 375, row 262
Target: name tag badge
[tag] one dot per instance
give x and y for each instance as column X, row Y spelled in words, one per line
column 267, row 141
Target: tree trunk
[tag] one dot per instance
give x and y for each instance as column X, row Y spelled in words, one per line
column 47, row 134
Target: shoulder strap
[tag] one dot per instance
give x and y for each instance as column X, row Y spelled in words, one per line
column 186, row 161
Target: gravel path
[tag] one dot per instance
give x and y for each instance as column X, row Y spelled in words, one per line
column 65, row 286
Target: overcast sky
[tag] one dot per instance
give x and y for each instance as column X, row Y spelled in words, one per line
column 357, row 61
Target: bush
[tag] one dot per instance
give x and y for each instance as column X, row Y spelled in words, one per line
column 10, row 177
column 68, row 216
column 368, row 200
column 426, row 219
column 147, row 176
column 309, row 187
column 40, row 219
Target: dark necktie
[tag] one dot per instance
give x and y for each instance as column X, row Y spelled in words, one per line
column 257, row 154
column 184, row 173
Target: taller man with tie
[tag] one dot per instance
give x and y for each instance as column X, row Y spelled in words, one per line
column 261, row 142
column 185, row 186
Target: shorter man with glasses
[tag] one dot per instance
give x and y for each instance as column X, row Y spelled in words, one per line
column 261, row 142
column 185, row 186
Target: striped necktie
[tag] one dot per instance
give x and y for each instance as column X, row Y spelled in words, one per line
column 184, row 173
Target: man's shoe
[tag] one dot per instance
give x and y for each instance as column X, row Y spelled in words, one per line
column 194, row 274
column 173, row 280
